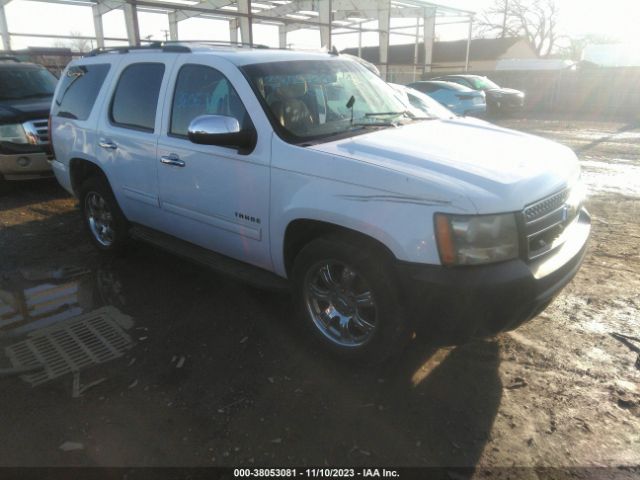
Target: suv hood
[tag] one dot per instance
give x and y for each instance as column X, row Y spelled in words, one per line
column 17, row 111
column 497, row 169
column 504, row 91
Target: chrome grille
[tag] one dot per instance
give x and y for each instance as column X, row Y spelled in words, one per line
column 545, row 206
column 545, row 221
column 38, row 129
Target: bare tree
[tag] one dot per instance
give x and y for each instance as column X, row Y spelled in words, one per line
column 77, row 43
column 536, row 20
column 572, row 47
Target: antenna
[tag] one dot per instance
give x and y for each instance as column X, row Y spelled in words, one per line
column 349, row 105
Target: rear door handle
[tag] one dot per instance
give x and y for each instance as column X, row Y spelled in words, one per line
column 107, row 144
column 172, row 159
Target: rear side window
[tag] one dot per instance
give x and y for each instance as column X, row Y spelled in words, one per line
column 203, row 90
column 79, row 89
column 426, row 87
column 135, row 100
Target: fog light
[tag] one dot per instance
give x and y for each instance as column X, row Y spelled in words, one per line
column 24, row 161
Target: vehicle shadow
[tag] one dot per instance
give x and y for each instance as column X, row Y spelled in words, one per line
column 16, row 194
column 605, row 138
column 432, row 406
column 217, row 371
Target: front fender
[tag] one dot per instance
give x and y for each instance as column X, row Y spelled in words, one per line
column 403, row 223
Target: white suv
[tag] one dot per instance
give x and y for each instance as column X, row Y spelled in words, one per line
column 307, row 171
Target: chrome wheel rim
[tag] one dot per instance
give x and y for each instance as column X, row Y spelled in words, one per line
column 341, row 303
column 99, row 218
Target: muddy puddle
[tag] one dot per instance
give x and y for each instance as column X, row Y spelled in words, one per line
column 59, row 322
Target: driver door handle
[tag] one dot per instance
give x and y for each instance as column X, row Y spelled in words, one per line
column 172, row 159
column 106, row 144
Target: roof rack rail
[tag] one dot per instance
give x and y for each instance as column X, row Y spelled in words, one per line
column 154, row 45
column 9, row 58
column 175, row 46
column 216, row 43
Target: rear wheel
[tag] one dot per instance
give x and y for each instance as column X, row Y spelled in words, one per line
column 103, row 219
column 348, row 300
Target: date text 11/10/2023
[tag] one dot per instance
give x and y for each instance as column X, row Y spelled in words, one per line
column 315, row 473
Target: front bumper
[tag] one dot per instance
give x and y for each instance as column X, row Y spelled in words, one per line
column 25, row 166
column 507, row 103
column 477, row 110
column 463, row 302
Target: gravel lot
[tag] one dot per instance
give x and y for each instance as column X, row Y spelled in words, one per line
column 194, row 369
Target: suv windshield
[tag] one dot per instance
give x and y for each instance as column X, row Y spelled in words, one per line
column 19, row 83
column 312, row 100
column 482, row 83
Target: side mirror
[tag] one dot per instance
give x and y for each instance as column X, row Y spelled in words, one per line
column 220, row 130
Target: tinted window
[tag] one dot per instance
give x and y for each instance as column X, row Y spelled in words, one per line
column 424, row 87
column 355, row 98
column 19, row 83
column 203, row 90
column 483, row 83
column 135, row 100
column 460, row 81
column 79, row 89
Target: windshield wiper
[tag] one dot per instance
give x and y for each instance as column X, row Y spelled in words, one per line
column 34, row 95
column 379, row 114
column 374, row 124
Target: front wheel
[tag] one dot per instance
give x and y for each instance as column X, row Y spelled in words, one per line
column 348, row 300
column 103, row 219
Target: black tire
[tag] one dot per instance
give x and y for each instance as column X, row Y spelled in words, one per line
column 373, row 269
column 117, row 223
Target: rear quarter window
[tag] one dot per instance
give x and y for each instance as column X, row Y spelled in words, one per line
column 135, row 100
column 79, row 88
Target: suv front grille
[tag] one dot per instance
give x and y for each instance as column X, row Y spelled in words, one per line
column 545, row 221
column 39, row 129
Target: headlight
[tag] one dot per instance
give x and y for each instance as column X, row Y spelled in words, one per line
column 13, row 133
column 476, row 239
column 577, row 195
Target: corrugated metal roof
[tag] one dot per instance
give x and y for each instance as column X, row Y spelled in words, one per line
column 443, row 52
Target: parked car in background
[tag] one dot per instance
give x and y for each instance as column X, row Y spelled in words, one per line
column 26, row 91
column 421, row 102
column 499, row 99
column 457, row 98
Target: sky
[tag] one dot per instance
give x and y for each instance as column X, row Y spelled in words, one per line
column 618, row 19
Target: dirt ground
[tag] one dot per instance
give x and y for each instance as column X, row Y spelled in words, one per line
column 189, row 368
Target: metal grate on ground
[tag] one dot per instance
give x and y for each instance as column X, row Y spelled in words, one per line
column 73, row 345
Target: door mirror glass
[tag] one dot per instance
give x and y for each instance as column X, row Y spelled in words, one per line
column 219, row 130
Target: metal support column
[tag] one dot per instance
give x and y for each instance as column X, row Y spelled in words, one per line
column 415, row 49
column 98, row 26
column 466, row 60
column 246, row 27
column 324, row 10
column 131, row 21
column 4, row 28
column 360, row 40
column 233, row 30
column 282, row 36
column 429, row 36
column 384, row 23
column 173, row 26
